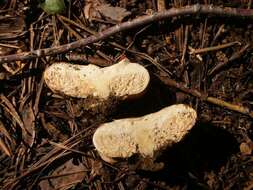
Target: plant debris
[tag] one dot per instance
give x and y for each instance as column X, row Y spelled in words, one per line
column 198, row 53
column 113, row 13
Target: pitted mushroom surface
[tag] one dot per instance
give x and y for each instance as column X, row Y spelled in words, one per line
column 147, row 135
column 123, row 80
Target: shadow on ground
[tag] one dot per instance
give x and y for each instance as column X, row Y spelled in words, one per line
column 156, row 97
column 205, row 148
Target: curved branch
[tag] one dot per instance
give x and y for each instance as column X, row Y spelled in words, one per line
column 188, row 10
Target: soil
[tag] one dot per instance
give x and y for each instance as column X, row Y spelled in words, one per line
column 46, row 138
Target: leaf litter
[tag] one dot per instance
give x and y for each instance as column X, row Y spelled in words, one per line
column 46, row 138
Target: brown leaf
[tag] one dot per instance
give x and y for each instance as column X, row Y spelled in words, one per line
column 87, row 10
column 5, row 50
column 52, row 130
column 5, row 132
column 246, row 148
column 29, row 124
column 8, row 107
column 90, row 11
column 96, row 168
column 161, row 5
column 5, row 148
column 113, row 13
column 11, row 26
column 64, row 177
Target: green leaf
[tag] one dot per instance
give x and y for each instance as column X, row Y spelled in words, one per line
column 53, row 6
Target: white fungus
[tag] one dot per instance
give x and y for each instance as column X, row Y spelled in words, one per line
column 147, row 135
column 123, row 80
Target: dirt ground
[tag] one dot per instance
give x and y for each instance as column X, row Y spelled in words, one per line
column 203, row 60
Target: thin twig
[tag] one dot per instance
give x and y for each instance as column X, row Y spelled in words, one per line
column 203, row 96
column 9, row 46
column 235, row 56
column 96, row 61
column 185, row 44
column 220, row 31
column 66, row 148
column 188, row 10
column 50, row 157
column 64, row 19
column 213, row 48
column 143, row 56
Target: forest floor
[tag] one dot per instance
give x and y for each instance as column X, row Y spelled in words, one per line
column 203, row 58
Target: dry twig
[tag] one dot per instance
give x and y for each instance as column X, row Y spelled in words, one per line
column 188, row 10
column 203, row 96
column 213, row 48
column 235, row 56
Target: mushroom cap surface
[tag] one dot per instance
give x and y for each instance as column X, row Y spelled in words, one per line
column 123, row 80
column 144, row 135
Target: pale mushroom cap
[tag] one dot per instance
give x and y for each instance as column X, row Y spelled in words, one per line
column 71, row 79
column 144, row 135
column 123, row 79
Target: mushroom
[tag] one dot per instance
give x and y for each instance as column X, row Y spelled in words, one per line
column 123, row 80
column 145, row 136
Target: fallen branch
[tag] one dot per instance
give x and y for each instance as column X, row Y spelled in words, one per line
column 188, row 10
column 235, row 56
column 213, row 48
column 203, row 96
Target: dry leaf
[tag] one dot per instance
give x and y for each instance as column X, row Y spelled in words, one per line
column 29, row 124
column 113, row 13
column 5, row 148
column 64, row 177
column 96, row 168
column 87, row 10
column 52, row 130
column 161, row 5
column 246, row 148
column 5, row 132
column 90, row 10
column 11, row 26
column 9, row 108
column 5, row 50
